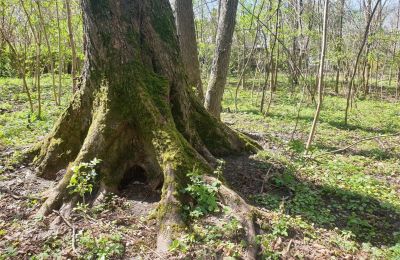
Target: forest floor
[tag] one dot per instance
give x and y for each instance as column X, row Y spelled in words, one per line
column 323, row 205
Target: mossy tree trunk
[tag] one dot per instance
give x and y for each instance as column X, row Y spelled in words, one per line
column 134, row 108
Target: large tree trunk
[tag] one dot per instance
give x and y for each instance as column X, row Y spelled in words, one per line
column 184, row 18
column 135, row 110
column 219, row 69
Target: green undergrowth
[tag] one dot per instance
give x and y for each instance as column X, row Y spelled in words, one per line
column 18, row 126
column 346, row 202
column 353, row 195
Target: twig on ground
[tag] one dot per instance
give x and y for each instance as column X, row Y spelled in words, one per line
column 263, row 182
column 15, row 196
column 287, row 249
column 73, row 231
column 355, row 143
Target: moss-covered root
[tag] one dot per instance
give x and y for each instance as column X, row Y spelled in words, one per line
column 93, row 145
column 55, row 197
column 216, row 136
column 170, row 221
column 244, row 213
column 67, row 136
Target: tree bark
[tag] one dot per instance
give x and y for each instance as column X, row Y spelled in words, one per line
column 135, row 109
column 73, row 46
column 184, row 19
column 219, row 69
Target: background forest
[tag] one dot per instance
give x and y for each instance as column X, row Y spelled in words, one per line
column 333, row 193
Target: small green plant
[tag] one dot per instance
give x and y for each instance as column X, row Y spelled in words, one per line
column 344, row 239
column 51, row 249
column 267, row 250
column 105, row 246
column 203, row 193
column 225, row 237
column 297, row 146
column 3, row 232
column 220, row 168
column 31, row 203
column 232, row 228
column 82, row 208
column 110, row 202
column 9, row 252
column 280, row 226
column 182, row 244
column 83, row 179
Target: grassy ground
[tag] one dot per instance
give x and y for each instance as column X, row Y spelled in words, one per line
column 17, row 123
column 324, row 205
column 355, row 193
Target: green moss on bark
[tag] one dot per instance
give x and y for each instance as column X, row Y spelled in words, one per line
column 163, row 23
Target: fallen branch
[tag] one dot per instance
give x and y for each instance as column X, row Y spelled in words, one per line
column 17, row 197
column 73, row 231
column 264, row 180
column 355, row 143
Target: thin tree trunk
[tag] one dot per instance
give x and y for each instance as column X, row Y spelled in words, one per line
column 21, row 68
column 37, row 38
column 339, row 47
column 38, row 74
column 49, row 53
column 350, row 84
column 60, row 55
column 273, row 82
column 219, row 70
column 246, row 63
column 73, row 46
column 367, row 73
column 320, row 77
column 267, row 68
column 274, row 64
column 398, row 83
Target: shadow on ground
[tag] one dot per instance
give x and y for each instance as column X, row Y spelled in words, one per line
column 336, row 124
column 264, row 185
column 379, row 154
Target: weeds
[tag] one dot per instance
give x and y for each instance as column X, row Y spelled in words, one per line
column 83, row 178
column 204, row 195
column 104, row 246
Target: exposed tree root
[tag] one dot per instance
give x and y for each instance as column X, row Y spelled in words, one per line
column 73, row 229
column 243, row 213
column 63, row 144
